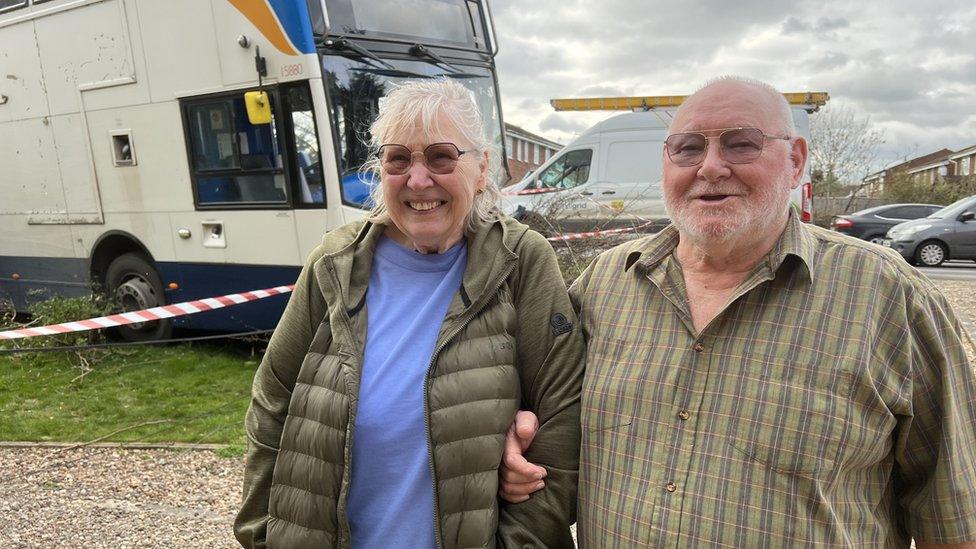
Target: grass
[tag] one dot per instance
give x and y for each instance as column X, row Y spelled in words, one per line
column 174, row 393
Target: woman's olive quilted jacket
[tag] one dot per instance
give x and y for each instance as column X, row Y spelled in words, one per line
column 510, row 340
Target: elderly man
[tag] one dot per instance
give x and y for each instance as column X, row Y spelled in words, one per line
column 752, row 381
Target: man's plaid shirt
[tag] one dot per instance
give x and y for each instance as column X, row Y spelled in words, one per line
column 829, row 403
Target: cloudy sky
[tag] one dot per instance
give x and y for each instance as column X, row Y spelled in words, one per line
column 909, row 65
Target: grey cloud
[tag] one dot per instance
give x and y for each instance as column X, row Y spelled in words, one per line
column 792, row 25
column 600, row 90
column 948, row 39
column 830, row 60
column 826, row 24
column 562, row 123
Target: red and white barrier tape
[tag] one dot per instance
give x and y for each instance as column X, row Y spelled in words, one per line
column 155, row 313
column 530, row 191
column 577, row 236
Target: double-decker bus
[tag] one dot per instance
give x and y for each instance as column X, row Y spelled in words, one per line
column 128, row 158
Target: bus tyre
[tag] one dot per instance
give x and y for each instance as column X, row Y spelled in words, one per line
column 134, row 284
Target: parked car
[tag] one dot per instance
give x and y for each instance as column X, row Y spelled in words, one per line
column 949, row 233
column 872, row 224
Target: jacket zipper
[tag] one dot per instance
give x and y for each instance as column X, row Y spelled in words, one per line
column 430, row 368
column 343, row 519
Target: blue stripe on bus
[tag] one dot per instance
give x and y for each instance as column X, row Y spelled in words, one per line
column 293, row 15
column 40, row 278
column 202, row 280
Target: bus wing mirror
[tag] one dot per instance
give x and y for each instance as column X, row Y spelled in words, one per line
column 258, row 107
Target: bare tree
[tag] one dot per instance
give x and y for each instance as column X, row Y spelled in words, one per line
column 843, row 148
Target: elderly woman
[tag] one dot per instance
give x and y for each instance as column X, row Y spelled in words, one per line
column 380, row 411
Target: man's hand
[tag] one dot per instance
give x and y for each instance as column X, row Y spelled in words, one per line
column 519, row 478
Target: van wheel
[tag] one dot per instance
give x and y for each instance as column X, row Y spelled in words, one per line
column 931, row 253
column 876, row 239
column 134, row 285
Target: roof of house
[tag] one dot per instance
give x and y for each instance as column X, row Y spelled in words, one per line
column 511, row 128
column 929, row 166
column 963, row 152
column 923, row 160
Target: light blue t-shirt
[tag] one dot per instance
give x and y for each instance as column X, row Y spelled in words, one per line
column 391, row 496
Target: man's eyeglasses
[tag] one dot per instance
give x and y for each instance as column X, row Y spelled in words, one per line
column 440, row 158
column 736, row 145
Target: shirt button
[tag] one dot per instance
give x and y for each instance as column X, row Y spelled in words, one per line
column 670, row 487
column 699, row 347
column 683, row 414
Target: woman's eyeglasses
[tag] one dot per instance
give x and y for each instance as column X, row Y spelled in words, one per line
column 440, row 158
column 736, row 145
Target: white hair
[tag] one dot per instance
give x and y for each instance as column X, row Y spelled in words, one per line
column 785, row 112
column 423, row 102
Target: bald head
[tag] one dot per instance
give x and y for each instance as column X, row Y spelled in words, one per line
column 741, row 102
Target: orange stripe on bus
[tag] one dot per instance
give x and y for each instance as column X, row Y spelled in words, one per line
column 259, row 13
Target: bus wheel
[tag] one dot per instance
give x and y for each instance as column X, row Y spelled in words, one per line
column 134, row 285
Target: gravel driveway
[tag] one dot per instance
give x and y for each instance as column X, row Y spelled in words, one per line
column 107, row 497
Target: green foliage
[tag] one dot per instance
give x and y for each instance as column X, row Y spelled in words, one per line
column 827, row 184
column 576, row 255
column 44, row 310
column 944, row 191
column 178, row 393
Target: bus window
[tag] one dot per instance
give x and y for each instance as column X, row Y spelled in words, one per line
column 310, row 186
column 233, row 162
column 446, row 22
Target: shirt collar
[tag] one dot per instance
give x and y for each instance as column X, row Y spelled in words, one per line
column 796, row 241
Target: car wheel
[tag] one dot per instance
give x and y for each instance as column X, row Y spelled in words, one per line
column 135, row 285
column 931, row 253
column 876, row 239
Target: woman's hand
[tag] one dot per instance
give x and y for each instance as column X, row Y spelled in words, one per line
column 519, row 478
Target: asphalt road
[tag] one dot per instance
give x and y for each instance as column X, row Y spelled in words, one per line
column 952, row 270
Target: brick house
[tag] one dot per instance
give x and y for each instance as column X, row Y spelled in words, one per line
column 924, row 168
column 964, row 161
column 526, row 151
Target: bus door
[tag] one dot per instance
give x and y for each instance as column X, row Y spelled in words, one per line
column 250, row 182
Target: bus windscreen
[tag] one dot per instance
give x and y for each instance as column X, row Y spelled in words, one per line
column 357, row 88
column 446, row 22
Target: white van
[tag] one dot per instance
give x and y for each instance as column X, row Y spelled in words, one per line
column 613, row 170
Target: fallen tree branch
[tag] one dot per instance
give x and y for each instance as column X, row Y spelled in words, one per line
column 113, row 433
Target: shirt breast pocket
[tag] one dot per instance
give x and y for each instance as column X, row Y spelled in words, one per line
column 792, row 420
column 611, row 386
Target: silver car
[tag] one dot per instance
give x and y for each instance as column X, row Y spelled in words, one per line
column 949, row 233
